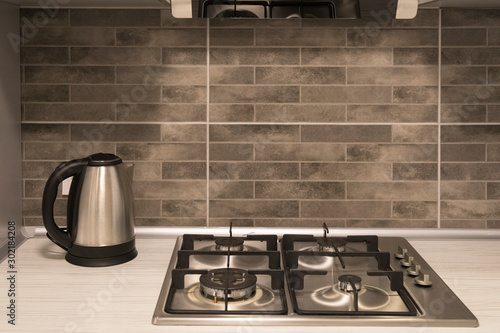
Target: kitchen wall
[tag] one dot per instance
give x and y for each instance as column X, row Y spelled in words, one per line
column 470, row 116
column 272, row 123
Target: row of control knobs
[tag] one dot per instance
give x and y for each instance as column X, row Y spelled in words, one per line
column 413, row 269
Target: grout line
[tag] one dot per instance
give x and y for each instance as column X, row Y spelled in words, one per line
column 439, row 123
column 207, row 122
column 330, row 123
column 486, row 190
column 97, row 122
column 300, row 208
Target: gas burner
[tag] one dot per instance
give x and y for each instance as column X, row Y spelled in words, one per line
column 238, row 283
column 347, row 281
column 327, row 244
column 229, row 243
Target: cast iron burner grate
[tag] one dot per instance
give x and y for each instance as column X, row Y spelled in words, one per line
column 346, row 282
column 276, row 9
column 229, row 283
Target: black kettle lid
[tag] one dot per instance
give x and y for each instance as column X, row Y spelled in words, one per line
column 104, row 159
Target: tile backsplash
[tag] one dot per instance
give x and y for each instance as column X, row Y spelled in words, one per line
column 272, row 123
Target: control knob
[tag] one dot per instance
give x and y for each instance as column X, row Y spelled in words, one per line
column 414, row 269
column 423, row 280
column 401, row 252
column 407, row 260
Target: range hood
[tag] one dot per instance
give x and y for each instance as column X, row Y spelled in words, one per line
column 268, row 9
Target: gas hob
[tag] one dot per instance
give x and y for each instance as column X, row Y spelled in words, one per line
column 310, row 280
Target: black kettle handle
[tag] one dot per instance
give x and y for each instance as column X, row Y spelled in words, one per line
column 63, row 171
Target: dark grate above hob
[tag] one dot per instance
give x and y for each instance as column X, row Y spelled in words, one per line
column 387, row 295
column 188, row 240
column 275, row 9
column 234, row 289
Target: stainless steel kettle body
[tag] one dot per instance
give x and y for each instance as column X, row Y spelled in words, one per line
column 100, row 214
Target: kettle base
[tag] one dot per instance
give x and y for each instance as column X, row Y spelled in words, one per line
column 101, row 256
column 101, row 262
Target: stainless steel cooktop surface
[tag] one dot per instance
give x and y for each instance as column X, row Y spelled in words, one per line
column 307, row 280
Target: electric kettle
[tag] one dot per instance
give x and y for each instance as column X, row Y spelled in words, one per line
column 100, row 212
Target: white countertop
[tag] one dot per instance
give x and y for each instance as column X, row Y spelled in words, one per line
column 55, row 296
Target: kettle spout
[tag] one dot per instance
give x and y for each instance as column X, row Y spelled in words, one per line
column 129, row 167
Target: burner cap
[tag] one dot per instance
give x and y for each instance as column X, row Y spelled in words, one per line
column 346, row 281
column 326, row 245
column 231, row 243
column 240, row 284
